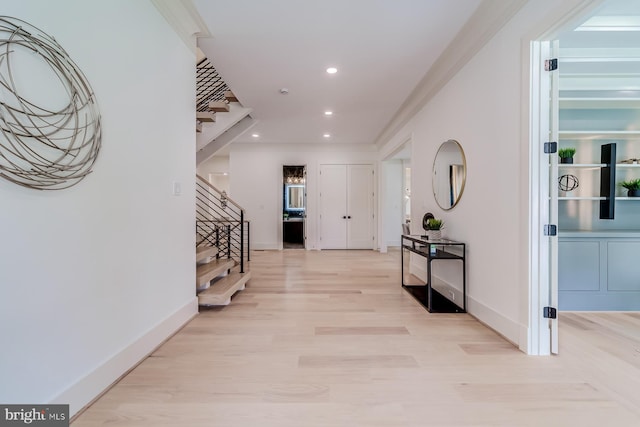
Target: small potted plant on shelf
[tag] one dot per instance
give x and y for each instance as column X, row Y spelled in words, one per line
column 632, row 186
column 434, row 228
column 566, row 154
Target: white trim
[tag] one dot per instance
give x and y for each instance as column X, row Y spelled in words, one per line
column 378, row 207
column 386, row 153
column 506, row 327
column 487, row 20
column 538, row 337
column 509, row 329
column 84, row 391
column 184, row 19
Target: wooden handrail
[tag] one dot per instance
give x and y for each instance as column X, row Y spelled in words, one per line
column 208, row 184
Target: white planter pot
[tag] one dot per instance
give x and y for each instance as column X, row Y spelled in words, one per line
column 434, row 234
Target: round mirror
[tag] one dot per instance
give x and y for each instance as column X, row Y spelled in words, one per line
column 449, row 174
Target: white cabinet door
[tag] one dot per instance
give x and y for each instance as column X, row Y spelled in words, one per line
column 346, row 206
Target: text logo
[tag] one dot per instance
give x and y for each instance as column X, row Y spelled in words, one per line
column 34, row 415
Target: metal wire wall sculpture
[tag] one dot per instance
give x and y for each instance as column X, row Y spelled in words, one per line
column 568, row 182
column 44, row 147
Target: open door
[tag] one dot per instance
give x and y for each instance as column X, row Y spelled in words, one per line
column 294, row 207
column 543, row 331
column 551, row 69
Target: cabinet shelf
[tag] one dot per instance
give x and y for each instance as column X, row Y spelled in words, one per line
column 595, row 165
column 594, row 103
column 599, row 134
column 596, row 198
column 581, row 165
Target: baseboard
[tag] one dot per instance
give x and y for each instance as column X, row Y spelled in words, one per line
column 93, row 385
column 524, row 340
column 504, row 326
column 265, row 246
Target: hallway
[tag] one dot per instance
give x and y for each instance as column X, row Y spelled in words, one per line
column 328, row 338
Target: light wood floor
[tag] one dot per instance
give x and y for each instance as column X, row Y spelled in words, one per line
column 330, row 339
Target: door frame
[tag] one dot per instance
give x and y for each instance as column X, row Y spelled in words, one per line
column 305, row 202
column 538, row 340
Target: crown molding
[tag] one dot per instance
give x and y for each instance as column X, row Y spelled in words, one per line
column 487, row 20
column 184, row 19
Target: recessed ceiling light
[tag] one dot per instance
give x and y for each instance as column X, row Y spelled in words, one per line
column 332, row 70
column 327, row 135
column 255, row 135
column 328, row 113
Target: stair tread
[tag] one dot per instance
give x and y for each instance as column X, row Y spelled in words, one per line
column 219, row 106
column 206, row 272
column 231, row 97
column 203, row 252
column 206, row 116
column 221, row 290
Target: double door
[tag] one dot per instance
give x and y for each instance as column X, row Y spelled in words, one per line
column 346, row 207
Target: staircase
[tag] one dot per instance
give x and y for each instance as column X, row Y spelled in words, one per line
column 220, row 117
column 222, row 246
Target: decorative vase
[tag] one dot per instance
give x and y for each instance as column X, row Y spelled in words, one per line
column 633, row 193
column 566, row 159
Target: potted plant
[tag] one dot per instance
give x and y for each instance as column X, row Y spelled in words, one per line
column 434, row 228
column 632, row 186
column 566, row 154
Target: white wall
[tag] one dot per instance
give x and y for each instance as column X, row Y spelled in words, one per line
column 485, row 107
column 392, row 175
column 95, row 276
column 216, row 171
column 255, row 172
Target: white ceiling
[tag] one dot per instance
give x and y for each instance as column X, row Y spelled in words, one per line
column 382, row 49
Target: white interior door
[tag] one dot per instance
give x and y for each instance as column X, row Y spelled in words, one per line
column 333, row 207
column 554, row 119
column 360, row 207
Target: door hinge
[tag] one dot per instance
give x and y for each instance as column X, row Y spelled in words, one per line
column 550, row 230
column 550, row 147
column 551, row 64
column 549, row 313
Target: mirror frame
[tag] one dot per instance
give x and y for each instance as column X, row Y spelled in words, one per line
column 464, row 174
column 288, row 188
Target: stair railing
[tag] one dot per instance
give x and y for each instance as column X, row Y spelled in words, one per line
column 209, row 85
column 221, row 222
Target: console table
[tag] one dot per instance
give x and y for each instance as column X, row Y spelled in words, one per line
column 432, row 250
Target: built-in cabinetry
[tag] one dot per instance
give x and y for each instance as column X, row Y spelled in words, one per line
column 599, row 116
column 293, row 231
column 346, row 207
column 599, row 105
column 587, row 124
column 599, row 270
